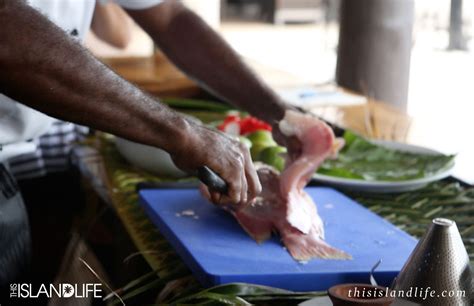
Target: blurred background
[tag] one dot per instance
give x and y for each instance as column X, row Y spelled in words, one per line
column 414, row 55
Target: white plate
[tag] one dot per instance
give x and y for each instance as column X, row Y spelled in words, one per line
column 386, row 186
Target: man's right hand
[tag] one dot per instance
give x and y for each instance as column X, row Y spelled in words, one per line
column 226, row 156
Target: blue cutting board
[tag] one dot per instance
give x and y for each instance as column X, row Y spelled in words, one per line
column 218, row 250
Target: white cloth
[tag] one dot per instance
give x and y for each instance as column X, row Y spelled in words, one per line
column 19, row 123
column 137, row 4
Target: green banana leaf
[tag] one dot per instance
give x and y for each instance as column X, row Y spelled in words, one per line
column 364, row 160
column 196, row 105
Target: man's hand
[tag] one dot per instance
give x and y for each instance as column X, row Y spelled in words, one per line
column 202, row 146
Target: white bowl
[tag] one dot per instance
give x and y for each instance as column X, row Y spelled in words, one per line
column 154, row 160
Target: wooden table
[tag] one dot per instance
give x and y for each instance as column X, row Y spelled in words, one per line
column 155, row 75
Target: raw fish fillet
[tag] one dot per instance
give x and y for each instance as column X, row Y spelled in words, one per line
column 283, row 206
column 296, row 220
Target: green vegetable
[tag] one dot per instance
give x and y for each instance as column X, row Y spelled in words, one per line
column 261, row 137
column 257, row 148
column 260, row 141
column 364, row 160
column 196, row 105
column 273, row 156
column 206, row 111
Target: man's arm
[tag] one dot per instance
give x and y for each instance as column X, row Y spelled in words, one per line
column 111, row 24
column 44, row 68
column 201, row 53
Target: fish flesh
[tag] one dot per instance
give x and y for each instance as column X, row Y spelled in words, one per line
column 283, row 206
column 295, row 219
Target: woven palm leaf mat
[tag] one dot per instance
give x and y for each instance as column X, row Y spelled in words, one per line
column 173, row 282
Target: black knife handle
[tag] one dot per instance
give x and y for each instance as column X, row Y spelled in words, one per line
column 166, row 185
column 213, row 181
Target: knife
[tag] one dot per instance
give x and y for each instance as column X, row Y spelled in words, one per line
column 212, row 180
column 208, row 177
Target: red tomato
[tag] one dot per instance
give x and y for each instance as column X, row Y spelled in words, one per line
column 251, row 124
column 229, row 119
column 247, row 125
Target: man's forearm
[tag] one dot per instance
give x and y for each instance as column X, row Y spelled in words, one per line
column 111, row 24
column 44, row 68
column 205, row 56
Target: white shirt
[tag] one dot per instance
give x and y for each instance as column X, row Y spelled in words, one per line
column 19, row 123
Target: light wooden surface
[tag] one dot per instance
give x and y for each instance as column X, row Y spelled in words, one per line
column 155, row 75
